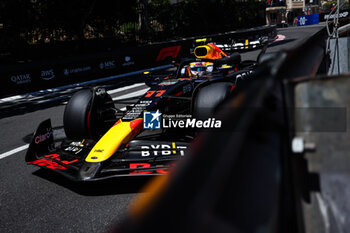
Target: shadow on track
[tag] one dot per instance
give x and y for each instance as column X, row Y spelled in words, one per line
column 112, row 186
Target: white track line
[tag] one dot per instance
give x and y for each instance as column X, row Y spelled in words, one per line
column 11, row 98
column 14, row 151
column 113, row 91
column 130, row 95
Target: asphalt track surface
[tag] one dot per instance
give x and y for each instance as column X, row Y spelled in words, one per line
column 33, row 200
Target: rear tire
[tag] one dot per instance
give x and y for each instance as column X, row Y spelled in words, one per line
column 209, row 97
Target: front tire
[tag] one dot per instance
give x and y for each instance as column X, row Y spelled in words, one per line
column 85, row 114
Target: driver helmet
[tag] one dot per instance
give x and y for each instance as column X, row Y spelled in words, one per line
column 200, row 68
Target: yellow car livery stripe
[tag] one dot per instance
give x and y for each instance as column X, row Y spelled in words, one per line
column 121, row 132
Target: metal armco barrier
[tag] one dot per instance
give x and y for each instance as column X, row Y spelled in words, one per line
column 27, row 77
column 23, row 78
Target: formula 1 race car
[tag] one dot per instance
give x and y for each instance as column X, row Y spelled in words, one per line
column 103, row 141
